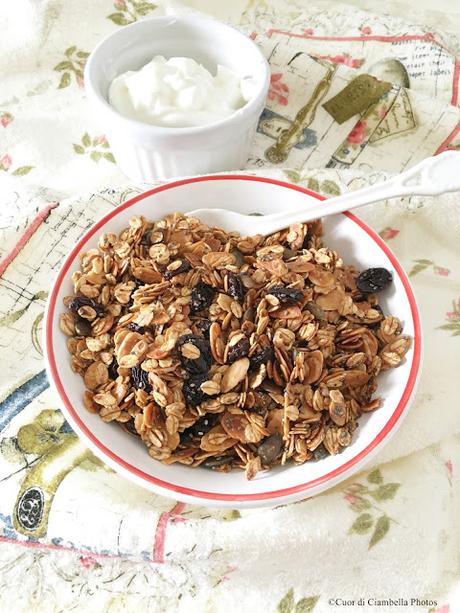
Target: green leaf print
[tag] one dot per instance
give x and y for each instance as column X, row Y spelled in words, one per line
column 313, row 184
column 42, row 433
column 287, row 603
column 95, row 147
column 86, row 139
column 363, row 498
column 420, row 265
column 381, row 528
column 143, row 8
column 64, row 65
column 452, row 326
column 73, row 64
column 375, row 476
column 21, row 171
column 292, row 175
column 362, row 524
column 41, row 295
column 231, row 515
column 330, row 187
column 119, row 19
column 10, row 318
column 65, row 80
column 360, row 504
column 306, row 605
column 385, row 492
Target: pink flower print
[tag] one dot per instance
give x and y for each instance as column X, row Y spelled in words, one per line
column 382, row 112
column 358, row 134
column 89, row 562
column 278, row 89
column 5, row 162
column 344, row 59
column 445, row 608
column 101, row 140
column 454, row 315
column 230, row 569
column 309, row 32
column 439, row 270
column 450, row 469
column 120, row 5
column 389, row 233
column 366, row 30
column 352, row 499
column 6, row 119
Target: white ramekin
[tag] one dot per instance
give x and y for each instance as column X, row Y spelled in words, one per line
column 145, row 152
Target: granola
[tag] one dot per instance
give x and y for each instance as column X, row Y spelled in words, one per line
column 228, row 351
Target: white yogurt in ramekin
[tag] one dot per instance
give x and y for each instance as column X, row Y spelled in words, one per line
column 178, row 92
column 145, row 151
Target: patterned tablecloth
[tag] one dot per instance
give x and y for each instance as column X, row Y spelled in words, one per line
column 76, row 536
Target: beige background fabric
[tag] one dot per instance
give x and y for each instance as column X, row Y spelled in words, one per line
column 388, row 536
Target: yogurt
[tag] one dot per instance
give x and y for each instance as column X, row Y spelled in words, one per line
column 178, row 92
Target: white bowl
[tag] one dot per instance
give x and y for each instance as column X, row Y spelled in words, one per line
column 126, row 454
column 145, row 152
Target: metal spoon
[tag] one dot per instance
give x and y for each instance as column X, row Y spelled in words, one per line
column 434, row 176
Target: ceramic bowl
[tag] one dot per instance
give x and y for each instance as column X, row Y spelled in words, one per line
column 145, row 152
column 357, row 244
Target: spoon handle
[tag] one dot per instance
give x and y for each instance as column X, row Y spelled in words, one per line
column 432, row 176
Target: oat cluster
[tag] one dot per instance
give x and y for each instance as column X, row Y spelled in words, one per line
column 228, row 351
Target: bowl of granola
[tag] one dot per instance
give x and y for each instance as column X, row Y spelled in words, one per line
column 228, row 370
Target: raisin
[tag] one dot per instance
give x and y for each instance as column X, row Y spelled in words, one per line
column 113, row 370
column 239, row 257
column 306, row 240
column 320, row 453
column 193, row 394
column 270, row 449
column 136, row 328
column 80, row 301
column 202, row 297
column 217, row 462
column 195, row 365
column 374, row 280
column 249, row 314
column 129, row 426
column 145, row 238
column 262, row 357
column 235, row 287
column 140, row 379
column 199, row 428
column 289, row 253
column 262, row 404
column 83, row 327
column 184, row 267
column 316, row 310
column 286, row 295
column 203, row 326
column 204, row 424
column 238, row 350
